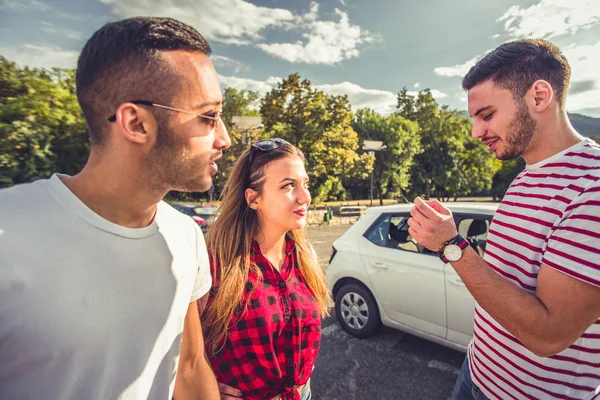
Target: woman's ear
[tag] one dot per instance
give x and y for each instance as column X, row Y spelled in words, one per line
column 252, row 198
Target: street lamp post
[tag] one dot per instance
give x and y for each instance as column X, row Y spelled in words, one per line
column 247, row 125
column 371, row 146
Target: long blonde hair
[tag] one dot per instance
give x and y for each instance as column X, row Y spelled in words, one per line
column 230, row 238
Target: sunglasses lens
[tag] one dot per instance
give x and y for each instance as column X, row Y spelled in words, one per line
column 266, row 145
column 280, row 141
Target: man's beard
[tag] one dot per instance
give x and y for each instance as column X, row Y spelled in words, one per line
column 170, row 164
column 519, row 134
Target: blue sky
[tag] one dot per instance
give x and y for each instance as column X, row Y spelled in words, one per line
column 367, row 50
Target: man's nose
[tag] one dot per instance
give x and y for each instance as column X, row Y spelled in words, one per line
column 479, row 130
column 223, row 141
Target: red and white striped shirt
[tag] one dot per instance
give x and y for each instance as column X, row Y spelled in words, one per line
column 550, row 215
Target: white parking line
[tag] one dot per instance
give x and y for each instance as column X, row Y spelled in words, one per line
column 442, row 366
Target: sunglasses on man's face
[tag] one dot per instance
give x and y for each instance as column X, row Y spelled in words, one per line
column 263, row 145
column 213, row 118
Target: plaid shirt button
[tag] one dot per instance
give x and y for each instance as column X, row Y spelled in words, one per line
column 281, row 284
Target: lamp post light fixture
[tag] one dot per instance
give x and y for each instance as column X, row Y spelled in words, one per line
column 246, row 125
column 371, row 146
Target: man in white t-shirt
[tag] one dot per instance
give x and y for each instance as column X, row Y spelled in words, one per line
column 537, row 318
column 98, row 277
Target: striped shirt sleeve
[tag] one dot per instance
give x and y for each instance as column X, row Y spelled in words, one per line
column 574, row 247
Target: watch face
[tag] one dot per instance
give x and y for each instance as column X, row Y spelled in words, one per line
column 452, row 252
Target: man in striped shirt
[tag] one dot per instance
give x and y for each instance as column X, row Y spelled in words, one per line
column 537, row 326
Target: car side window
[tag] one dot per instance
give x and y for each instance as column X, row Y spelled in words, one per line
column 391, row 231
column 399, row 238
column 475, row 230
column 378, row 232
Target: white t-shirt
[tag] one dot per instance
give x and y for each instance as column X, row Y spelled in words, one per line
column 550, row 215
column 90, row 309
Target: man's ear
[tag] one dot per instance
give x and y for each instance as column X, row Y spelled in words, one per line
column 137, row 124
column 252, row 198
column 540, row 96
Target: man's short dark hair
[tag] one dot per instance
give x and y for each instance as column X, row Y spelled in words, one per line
column 121, row 62
column 518, row 64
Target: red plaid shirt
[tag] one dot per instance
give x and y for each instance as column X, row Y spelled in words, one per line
column 273, row 345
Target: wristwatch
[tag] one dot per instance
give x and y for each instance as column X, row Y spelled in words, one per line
column 453, row 249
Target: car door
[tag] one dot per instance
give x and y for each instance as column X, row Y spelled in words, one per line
column 460, row 302
column 408, row 280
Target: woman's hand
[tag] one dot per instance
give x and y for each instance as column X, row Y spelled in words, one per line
column 229, row 392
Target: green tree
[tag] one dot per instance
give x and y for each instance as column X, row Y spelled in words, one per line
column 239, row 103
column 41, row 126
column 321, row 126
column 505, row 175
column 392, row 165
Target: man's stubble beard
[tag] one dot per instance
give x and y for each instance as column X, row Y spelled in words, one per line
column 520, row 132
column 170, row 165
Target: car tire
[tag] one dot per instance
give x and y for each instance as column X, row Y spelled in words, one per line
column 356, row 311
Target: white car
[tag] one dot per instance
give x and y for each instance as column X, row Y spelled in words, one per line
column 379, row 275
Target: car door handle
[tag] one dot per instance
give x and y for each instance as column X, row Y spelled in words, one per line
column 379, row 265
column 457, row 282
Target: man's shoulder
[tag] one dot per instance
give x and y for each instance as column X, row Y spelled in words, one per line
column 587, row 161
column 23, row 196
column 586, row 155
column 168, row 217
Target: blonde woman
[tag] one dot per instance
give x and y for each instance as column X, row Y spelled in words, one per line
column 263, row 317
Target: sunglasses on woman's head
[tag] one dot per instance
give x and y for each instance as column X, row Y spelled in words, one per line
column 263, row 145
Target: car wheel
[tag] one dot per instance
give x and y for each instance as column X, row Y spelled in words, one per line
column 356, row 311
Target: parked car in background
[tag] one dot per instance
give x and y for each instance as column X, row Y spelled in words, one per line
column 202, row 215
column 379, row 274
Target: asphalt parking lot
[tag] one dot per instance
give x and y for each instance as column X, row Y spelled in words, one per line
column 391, row 365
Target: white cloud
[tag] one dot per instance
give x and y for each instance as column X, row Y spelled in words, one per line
column 382, row 101
column 243, row 23
column 313, row 14
column 228, row 21
column 79, row 17
column 325, row 42
column 64, row 32
column 456, row 70
column 461, row 96
column 24, row 5
column 550, row 18
column 585, row 80
column 274, row 80
column 249, row 84
column 226, row 62
column 43, row 56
